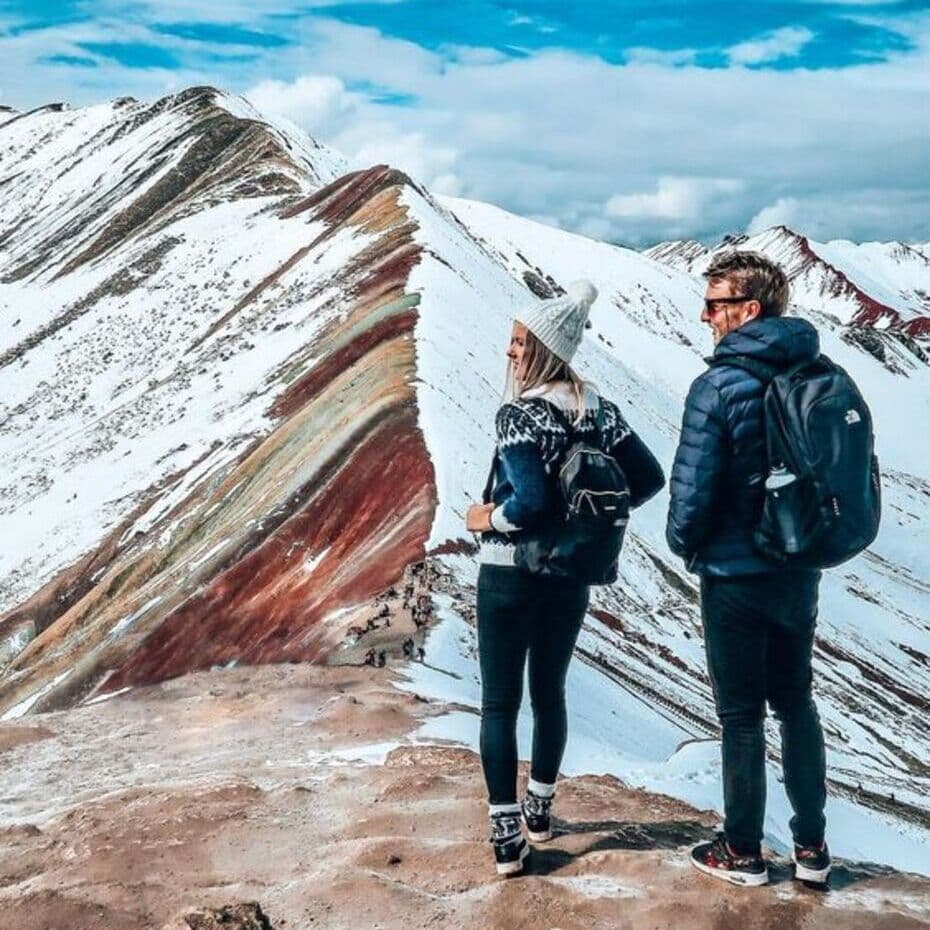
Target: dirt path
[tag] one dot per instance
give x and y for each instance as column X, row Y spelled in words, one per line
column 297, row 787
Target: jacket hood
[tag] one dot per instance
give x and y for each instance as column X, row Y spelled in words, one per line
column 777, row 340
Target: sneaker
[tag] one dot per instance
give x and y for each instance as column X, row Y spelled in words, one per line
column 536, row 816
column 510, row 848
column 719, row 860
column 812, row 863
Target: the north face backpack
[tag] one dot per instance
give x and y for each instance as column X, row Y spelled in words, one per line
column 823, row 493
column 583, row 542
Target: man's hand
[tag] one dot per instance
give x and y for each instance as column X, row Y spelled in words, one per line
column 477, row 518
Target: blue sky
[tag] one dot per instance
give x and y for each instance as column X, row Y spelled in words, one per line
column 632, row 121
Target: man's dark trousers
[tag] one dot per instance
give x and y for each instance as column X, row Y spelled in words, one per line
column 759, row 634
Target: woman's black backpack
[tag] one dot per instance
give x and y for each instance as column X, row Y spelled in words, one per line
column 583, row 541
column 823, row 492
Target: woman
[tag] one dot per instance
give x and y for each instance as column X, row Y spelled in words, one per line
column 521, row 615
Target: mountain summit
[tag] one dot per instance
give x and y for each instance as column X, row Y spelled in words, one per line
column 882, row 285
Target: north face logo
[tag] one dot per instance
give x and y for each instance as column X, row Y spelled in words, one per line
column 852, row 416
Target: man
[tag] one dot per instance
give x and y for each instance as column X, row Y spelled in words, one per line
column 758, row 616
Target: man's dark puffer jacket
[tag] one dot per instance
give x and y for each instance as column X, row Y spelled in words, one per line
column 719, row 469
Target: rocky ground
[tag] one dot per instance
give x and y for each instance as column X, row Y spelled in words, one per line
column 297, row 796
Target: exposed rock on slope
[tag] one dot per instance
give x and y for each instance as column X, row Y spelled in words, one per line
column 239, row 554
column 306, row 790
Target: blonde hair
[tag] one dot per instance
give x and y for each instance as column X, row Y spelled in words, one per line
column 543, row 366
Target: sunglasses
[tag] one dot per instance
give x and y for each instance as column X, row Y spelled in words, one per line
column 710, row 302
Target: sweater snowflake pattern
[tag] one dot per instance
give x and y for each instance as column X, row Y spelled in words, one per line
column 531, row 443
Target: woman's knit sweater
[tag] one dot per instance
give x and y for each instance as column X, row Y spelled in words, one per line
column 531, row 444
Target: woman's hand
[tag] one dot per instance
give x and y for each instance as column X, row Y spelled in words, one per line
column 477, row 518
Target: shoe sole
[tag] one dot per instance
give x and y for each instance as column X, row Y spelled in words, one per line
column 512, row 868
column 537, row 837
column 743, row 879
column 815, row 876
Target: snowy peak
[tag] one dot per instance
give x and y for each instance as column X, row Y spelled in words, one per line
column 684, row 254
column 879, row 285
column 77, row 183
column 237, row 356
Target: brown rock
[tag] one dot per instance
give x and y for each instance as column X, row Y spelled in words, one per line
column 231, row 917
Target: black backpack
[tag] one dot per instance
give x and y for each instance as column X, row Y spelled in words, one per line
column 823, row 490
column 583, row 542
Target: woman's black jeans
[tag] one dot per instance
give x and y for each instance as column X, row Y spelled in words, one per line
column 759, row 634
column 522, row 615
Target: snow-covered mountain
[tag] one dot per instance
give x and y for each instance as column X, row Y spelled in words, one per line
column 242, row 390
column 883, row 285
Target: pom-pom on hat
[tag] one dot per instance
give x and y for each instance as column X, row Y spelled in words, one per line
column 558, row 323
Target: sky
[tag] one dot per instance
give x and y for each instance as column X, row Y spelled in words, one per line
column 633, row 121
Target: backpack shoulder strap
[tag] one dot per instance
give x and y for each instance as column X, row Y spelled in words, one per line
column 489, row 484
column 599, row 418
column 561, row 417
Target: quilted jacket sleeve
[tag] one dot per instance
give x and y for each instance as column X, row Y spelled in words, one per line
column 698, row 469
column 529, row 502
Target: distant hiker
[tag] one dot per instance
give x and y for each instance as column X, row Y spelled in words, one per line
column 421, row 653
column 408, row 648
column 370, row 657
column 530, row 602
column 382, row 659
column 758, row 612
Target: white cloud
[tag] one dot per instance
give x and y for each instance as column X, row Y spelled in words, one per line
column 784, row 212
column 675, row 198
column 449, row 184
column 222, row 12
column 597, row 227
column 641, row 55
column 562, row 135
column 369, row 144
column 358, row 128
column 472, row 54
column 861, row 215
column 547, row 219
column 700, row 151
column 318, row 103
column 782, row 43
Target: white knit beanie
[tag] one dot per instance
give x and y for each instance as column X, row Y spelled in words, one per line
column 558, row 323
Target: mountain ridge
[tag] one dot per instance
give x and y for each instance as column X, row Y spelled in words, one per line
column 817, row 278
column 272, row 404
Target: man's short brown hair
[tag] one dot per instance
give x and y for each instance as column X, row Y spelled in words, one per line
column 754, row 275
